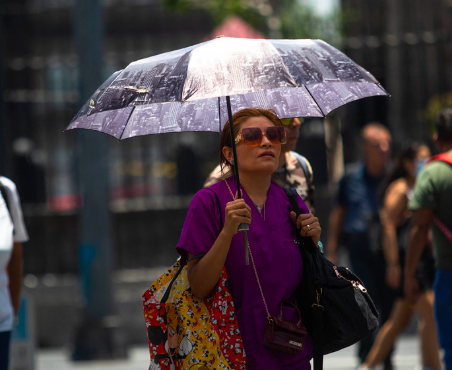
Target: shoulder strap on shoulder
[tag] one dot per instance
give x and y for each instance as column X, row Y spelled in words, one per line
column 6, row 199
column 5, row 196
column 292, row 195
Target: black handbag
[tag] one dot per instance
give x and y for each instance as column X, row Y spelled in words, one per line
column 336, row 307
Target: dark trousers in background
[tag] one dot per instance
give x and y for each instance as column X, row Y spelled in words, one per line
column 370, row 266
column 443, row 312
column 5, row 337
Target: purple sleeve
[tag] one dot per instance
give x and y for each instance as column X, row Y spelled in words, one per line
column 201, row 226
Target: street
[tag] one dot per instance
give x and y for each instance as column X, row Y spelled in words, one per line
column 406, row 358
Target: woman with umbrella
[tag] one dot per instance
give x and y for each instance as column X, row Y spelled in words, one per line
column 276, row 270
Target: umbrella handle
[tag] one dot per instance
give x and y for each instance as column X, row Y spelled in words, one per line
column 242, row 227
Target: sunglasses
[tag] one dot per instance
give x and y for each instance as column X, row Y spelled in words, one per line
column 252, row 136
column 288, row 121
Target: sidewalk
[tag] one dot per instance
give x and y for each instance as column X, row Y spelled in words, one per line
column 406, row 358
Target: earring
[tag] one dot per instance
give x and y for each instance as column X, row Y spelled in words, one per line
column 232, row 162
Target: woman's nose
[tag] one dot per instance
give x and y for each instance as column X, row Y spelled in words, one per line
column 265, row 142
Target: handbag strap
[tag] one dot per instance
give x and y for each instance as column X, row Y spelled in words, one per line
column 269, row 318
column 317, row 309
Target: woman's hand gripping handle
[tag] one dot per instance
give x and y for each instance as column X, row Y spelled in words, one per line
column 237, row 212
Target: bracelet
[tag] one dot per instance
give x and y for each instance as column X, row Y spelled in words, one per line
column 320, row 246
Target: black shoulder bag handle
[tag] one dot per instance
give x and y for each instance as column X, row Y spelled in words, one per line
column 317, row 309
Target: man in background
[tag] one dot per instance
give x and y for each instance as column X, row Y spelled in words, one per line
column 294, row 170
column 355, row 222
column 432, row 209
column 12, row 234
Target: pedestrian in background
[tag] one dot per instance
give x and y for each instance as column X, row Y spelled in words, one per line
column 293, row 170
column 12, row 234
column 397, row 191
column 276, row 265
column 432, row 209
column 356, row 223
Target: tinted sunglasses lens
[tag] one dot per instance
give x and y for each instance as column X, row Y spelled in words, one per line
column 252, row 136
column 272, row 134
column 276, row 135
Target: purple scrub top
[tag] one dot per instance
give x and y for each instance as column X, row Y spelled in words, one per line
column 278, row 263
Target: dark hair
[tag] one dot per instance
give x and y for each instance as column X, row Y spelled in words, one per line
column 239, row 118
column 444, row 125
column 409, row 151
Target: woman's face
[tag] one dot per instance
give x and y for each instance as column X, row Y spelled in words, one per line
column 262, row 159
column 293, row 132
column 412, row 167
column 422, row 155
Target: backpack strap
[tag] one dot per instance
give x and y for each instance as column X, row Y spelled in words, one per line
column 444, row 157
column 316, row 309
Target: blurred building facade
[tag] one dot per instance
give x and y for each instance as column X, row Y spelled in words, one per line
column 407, row 46
column 40, row 90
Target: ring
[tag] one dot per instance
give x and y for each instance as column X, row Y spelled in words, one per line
column 309, row 227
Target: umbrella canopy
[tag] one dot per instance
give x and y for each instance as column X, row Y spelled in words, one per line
column 185, row 90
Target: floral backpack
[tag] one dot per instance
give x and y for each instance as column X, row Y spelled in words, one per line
column 189, row 333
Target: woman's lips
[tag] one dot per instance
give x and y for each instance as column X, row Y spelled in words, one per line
column 267, row 154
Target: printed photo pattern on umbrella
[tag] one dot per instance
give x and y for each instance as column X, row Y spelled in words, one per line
column 179, row 90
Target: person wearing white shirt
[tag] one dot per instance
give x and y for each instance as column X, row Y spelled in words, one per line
column 12, row 234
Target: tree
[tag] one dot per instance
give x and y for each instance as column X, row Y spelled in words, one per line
column 291, row 19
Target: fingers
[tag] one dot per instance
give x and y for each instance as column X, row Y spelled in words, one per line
column 236, row 213
column 238, row 204
column 309, row 225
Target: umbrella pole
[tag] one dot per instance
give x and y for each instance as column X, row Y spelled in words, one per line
column 234, row 151
column 242, row 227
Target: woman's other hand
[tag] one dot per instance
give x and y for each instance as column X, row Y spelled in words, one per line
column 309, row 225
column 236, row 213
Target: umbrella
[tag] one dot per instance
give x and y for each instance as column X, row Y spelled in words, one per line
column 198, row 87
column 180, row 90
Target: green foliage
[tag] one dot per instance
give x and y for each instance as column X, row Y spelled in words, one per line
column 297, row 19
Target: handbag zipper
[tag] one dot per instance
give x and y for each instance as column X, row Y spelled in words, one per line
column 355, row 284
